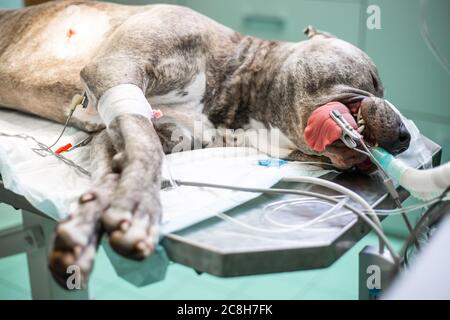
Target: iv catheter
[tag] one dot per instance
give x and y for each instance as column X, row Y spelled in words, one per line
column 45, row 150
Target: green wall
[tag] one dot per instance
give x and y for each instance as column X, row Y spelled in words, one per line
column 10, row 4
column 413, row 78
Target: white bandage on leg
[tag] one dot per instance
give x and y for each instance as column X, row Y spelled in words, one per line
column 123, row 99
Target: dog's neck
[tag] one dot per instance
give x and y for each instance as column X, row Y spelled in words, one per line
column 248, row 81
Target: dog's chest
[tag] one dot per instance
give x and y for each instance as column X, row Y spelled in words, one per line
column 188, row 97
column 184, row 106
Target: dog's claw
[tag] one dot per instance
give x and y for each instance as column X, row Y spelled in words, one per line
column 135, row 243
column 125, row 225
column 114, row 219
column 87, row 197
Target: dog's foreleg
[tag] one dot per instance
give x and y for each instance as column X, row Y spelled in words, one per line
column 133, row 217
column 77, row 237
column 134, row 211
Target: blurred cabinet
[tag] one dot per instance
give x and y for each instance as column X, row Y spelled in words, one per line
column 10, row 4
column 284, row 20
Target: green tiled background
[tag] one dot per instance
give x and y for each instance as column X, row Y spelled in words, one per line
column 414, row 82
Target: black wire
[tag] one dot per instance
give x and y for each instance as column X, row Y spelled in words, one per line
column 422, row 224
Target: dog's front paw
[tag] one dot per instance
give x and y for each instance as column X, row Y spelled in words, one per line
column 76, row 240
column 133, row 234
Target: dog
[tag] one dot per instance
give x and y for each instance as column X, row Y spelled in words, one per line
column 193, row 69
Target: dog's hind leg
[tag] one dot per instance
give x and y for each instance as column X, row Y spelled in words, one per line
column 77, row 237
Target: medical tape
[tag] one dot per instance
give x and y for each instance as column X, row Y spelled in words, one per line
column 123, row 99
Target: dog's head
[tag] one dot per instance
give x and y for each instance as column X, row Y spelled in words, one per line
column 331, row 71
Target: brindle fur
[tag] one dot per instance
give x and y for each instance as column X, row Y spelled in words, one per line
column 161, row 48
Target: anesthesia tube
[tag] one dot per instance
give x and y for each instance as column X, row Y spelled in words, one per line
column 423, row 184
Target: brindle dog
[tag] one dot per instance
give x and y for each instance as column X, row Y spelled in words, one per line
column 191, row 67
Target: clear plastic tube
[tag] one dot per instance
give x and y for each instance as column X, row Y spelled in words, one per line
column 275, row 207
column 248, row 227
column 287, row 229
column 427, row 38
column 380, row 212
column 341, row 190
column 376, row 226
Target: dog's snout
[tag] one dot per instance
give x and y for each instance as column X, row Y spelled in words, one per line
column 401, row 143
column 403, row 135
